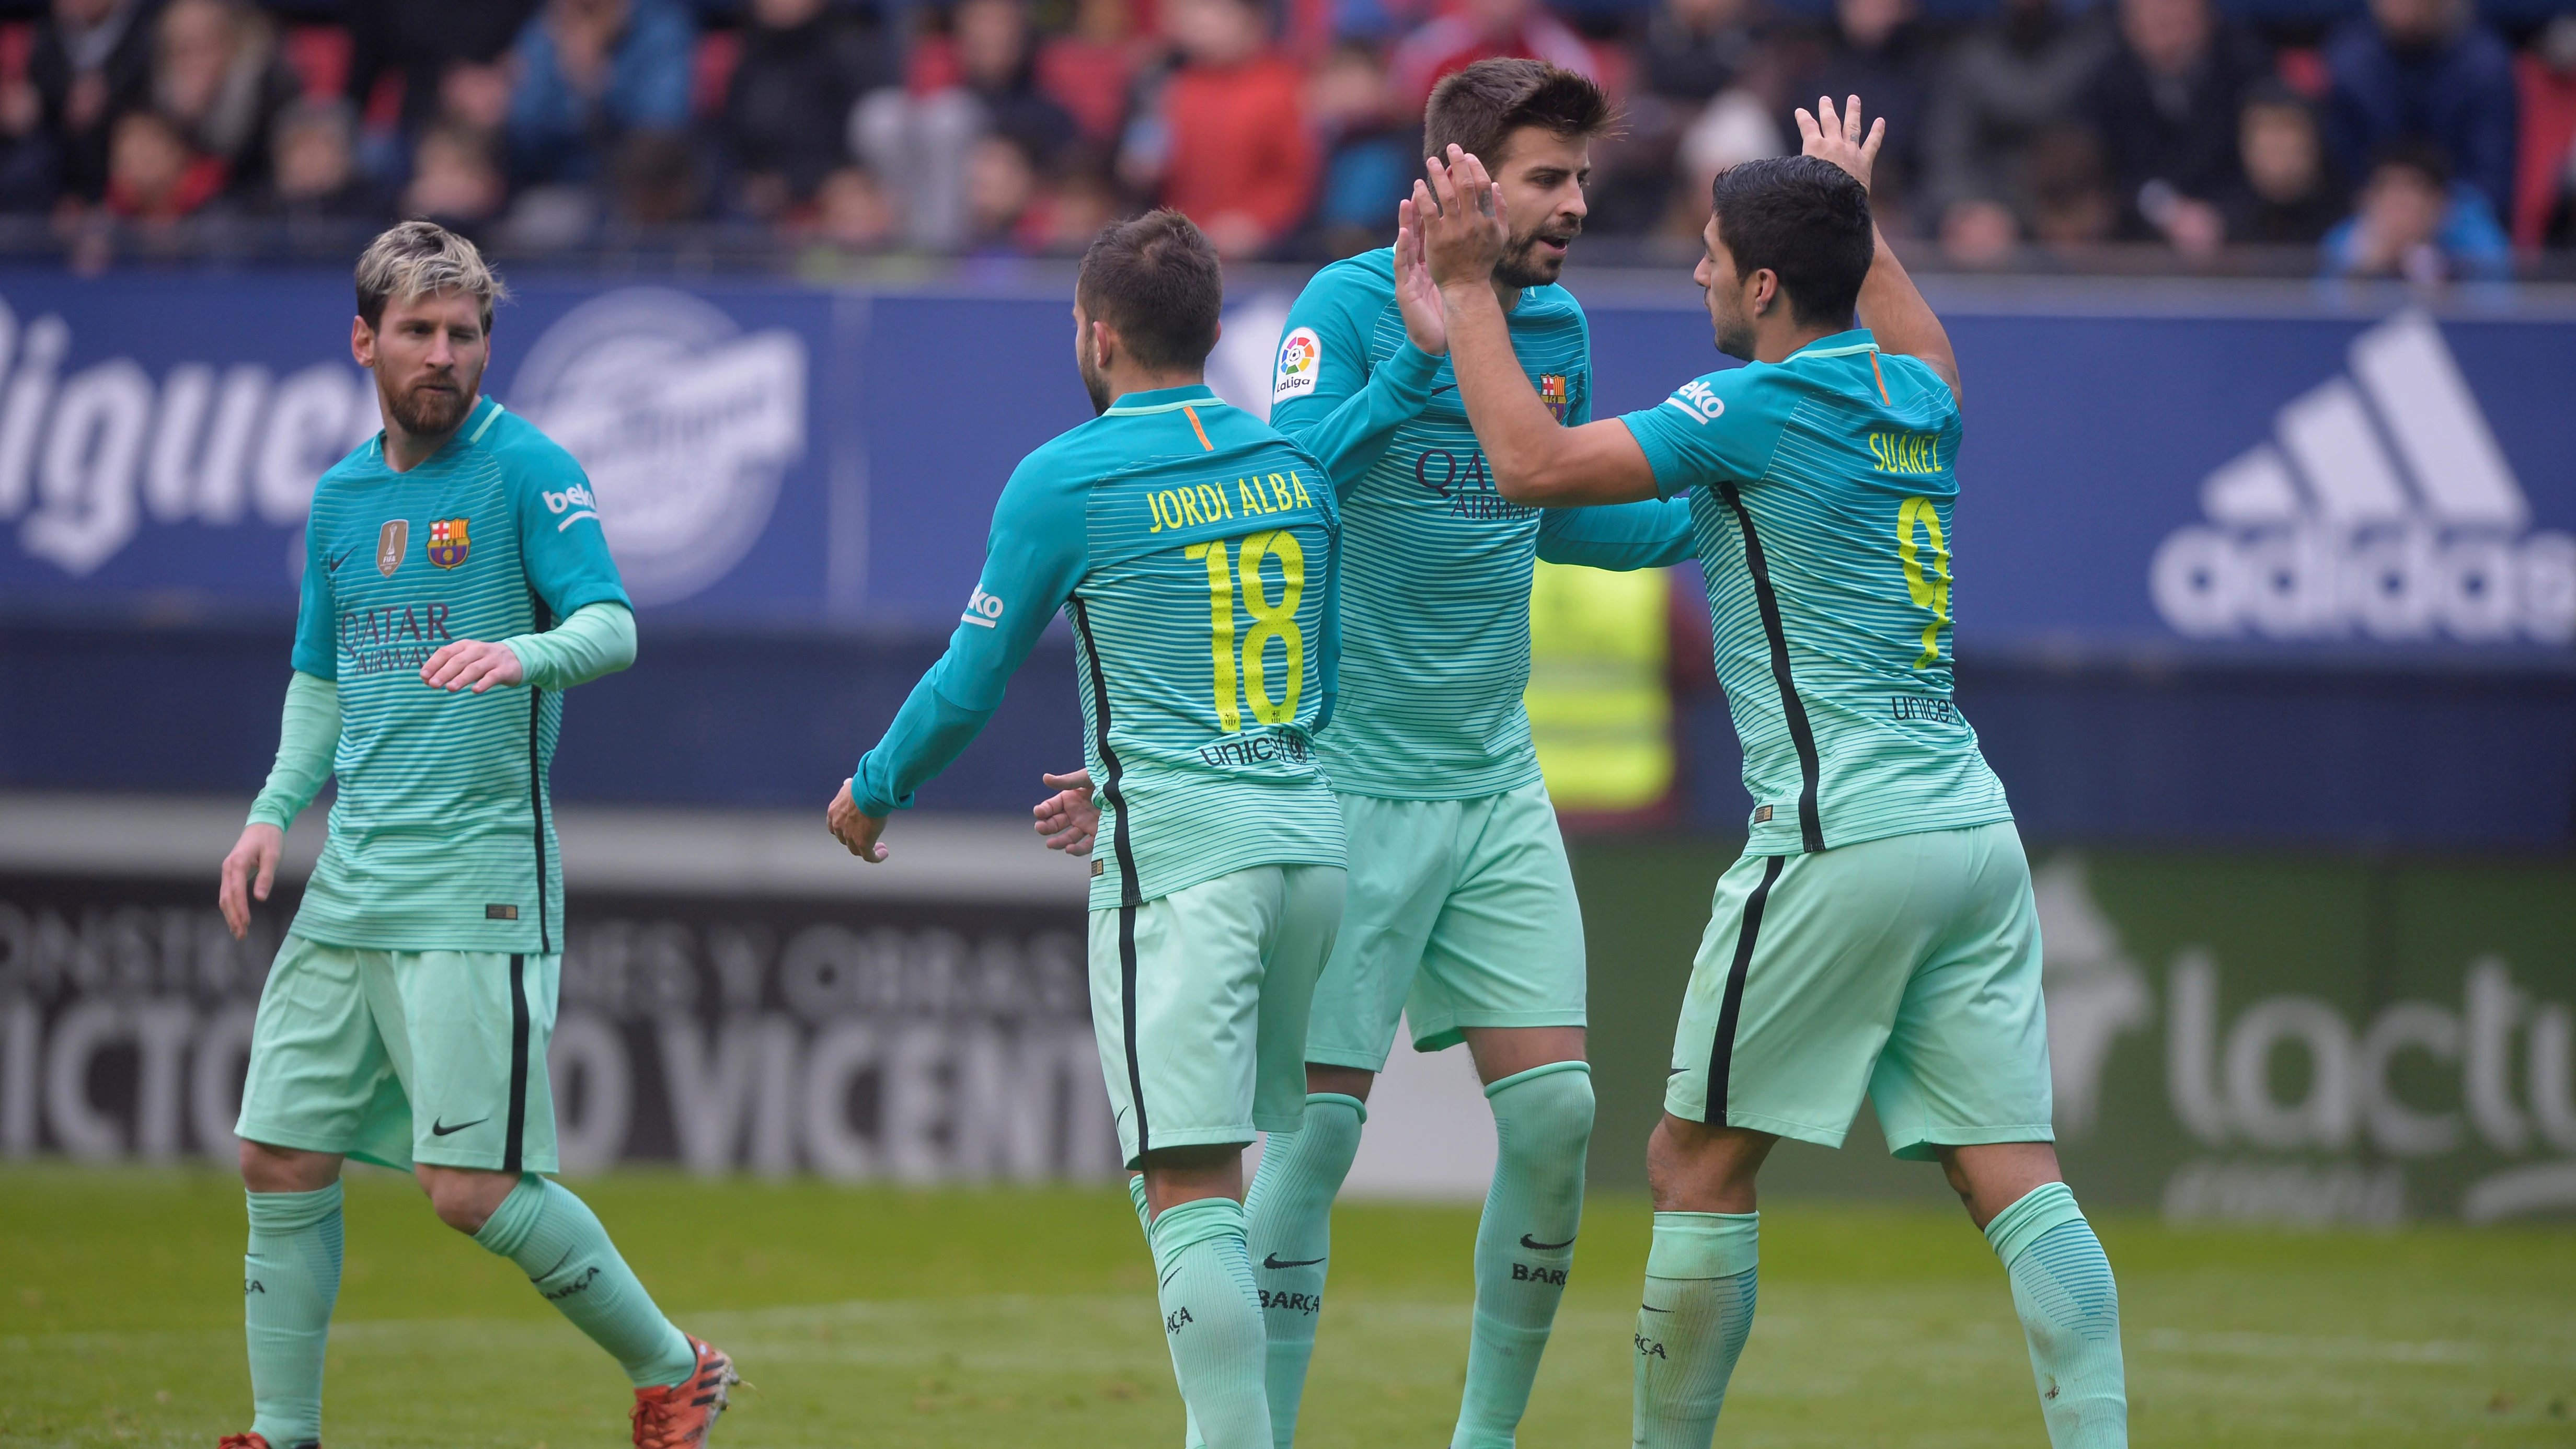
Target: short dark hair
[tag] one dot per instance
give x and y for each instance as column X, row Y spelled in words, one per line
column 2419, row 154
column 1157, row 280
column 1478, row 108
column 1805, row 219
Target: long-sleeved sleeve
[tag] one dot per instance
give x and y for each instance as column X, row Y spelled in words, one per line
column 1035, row 556
column 598, row 639
column 1325, row 396
column 308, row 735
column 1651, row 534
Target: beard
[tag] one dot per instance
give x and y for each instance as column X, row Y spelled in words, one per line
column 1734, row 334
column 1523, row 265
column 427, row 411
column 1093, row 383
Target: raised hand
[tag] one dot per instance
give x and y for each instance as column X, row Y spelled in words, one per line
column 1460, row 214
column 1837, row 138
column 1069, row 819
column 1417, row 297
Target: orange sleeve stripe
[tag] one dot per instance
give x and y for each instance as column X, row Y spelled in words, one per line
column 1193, row 415
column 1882, row 378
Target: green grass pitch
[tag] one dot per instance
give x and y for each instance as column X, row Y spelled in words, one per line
column 1025, row 1318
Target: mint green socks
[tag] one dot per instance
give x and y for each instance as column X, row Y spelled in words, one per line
column 290, row 1278
column 1691, row 1326
column 559, row 1244
column 1212, row 1320
column 1525, row 1242
column 1290, row 1209
column 2070, row 1311
column 1190, row 1436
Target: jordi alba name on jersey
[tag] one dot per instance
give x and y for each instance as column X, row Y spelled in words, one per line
column 1825, row 488
column 1203, row 625
column 1436, row 567
column 441, row 836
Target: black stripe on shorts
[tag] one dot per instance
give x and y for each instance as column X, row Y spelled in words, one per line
column 517, row 1130
column 1721, row 1049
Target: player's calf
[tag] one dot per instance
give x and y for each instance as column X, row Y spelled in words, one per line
column 2061, row 1284
column 1525, row 1242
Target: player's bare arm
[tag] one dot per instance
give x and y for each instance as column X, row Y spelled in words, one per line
column 1069, row 819
column 1890, row 306
column 1457, row 224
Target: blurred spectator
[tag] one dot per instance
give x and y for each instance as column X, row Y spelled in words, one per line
column 1485, row 30
column 153, row 175
column 1226, row 142
column 417, row 45
column 313, row 170
column 851, row 211
column 1694, row 48
column 1369, row 161
column 2006, row 84
column 1735, row 126
column 455, row 179
column 216, row 72
column 2544, row 204
column 2165, row 105
column 2067, row 182
column 787, row 112
column 2415, row 222
column 659, row 179
column 1877, row 52
column 1090, row 70
column 591, row 73
column 2288, row 194
column 1001, row 186
column 476, row 96
column 919, row 138
column 91, row 63
column 2424, row 68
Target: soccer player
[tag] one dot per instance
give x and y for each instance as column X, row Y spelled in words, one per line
column 1192, row 549
column 455, row 584
column 1462, row 910
column 1878, row 935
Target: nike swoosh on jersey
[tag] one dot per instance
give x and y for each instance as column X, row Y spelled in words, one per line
column 441, row 1129
column 1271, row 1260
column 1526, row 1242
column 332, row 565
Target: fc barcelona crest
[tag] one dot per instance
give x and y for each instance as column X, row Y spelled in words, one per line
column 447, row 542
column 1551, row 391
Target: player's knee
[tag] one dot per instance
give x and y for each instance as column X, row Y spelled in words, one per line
column 464, row 1201
column 1546, row 1118
column 1351, row 1082
column 284, row 1169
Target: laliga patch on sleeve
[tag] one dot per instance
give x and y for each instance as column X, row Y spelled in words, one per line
column 1301, row 362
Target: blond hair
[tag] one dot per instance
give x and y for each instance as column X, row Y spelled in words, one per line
column 416, row 259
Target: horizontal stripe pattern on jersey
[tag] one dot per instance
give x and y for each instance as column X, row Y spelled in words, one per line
column 441, row 835
column 1436, row 566
column 1825, row 484
column 1192, row 549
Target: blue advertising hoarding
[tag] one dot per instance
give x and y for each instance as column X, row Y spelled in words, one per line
column 765, row 452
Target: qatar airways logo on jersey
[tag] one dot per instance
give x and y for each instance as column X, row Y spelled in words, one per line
column 2381, row 509
column 392, row 636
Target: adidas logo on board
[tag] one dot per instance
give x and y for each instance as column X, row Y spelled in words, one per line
column 2382, row 509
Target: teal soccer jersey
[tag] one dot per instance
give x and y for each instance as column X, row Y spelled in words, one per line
column 1435, row 565
column 1824, row 487
column 1192, row 549
column 442, row 838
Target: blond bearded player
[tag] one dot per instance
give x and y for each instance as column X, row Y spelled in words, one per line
column 455, row 584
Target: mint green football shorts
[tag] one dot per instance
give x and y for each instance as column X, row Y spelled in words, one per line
column 1199, row 1001
column 1461, row 913
column 1906, row 967
column 403, row 1057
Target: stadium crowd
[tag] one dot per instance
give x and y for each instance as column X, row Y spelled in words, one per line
column 2411, row 138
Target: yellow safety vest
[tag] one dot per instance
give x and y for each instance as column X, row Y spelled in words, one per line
column 1600, row 710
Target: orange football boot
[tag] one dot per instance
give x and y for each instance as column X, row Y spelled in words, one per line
column 256, row 1441
column 679, row 1417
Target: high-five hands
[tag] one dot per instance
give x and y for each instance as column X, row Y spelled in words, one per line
column 1458, row 221
column 1417, row 297
column 1837, row 138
